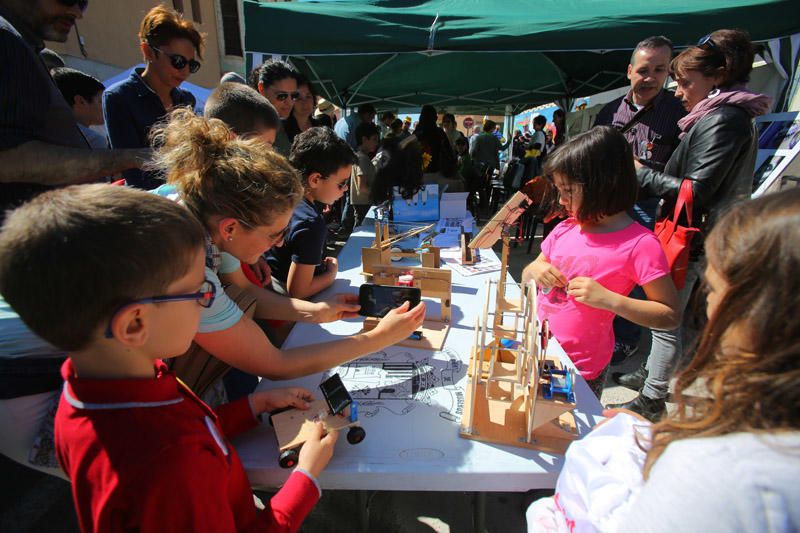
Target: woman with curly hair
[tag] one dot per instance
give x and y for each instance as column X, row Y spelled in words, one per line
column 729, row 457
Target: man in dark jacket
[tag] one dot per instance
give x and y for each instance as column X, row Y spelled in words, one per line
column 648, row 117
column 41, row 146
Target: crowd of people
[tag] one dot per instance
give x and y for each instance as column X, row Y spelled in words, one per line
column 138, row 316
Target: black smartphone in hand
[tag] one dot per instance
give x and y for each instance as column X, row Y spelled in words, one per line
column 378, row 300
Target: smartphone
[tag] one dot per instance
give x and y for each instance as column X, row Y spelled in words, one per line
column 378, row 300
column 335, row 394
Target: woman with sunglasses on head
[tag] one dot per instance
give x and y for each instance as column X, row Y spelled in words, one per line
column 716, row 155
column 277, row 80
column 244, row 194
column 302, row 116
column 169, row 44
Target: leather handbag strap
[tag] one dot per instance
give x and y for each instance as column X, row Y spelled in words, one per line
column 685, row 200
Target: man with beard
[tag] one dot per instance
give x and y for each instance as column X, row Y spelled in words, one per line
column 41, row 146
column 648, row 117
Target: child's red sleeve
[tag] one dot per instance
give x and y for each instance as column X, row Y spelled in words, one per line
column 236, row 417
column 291, row 505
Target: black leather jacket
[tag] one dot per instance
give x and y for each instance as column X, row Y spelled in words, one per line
column 718, row 155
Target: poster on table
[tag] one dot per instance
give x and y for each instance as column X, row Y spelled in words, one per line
column 778, row 146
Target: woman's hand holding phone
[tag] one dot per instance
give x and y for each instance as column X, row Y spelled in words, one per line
column 400, row 322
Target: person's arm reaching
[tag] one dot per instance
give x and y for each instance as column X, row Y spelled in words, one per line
column 659, row 311
column 246, row 347
column 273, row 306
column 713, row 151
column 50, row 164
column 302, row 283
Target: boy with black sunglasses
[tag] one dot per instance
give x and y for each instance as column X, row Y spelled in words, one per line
column 299, row 267
column 131, row 437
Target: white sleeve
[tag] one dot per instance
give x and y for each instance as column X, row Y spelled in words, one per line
column 700, row 485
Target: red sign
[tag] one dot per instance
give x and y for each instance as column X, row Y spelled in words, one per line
column 468, row 122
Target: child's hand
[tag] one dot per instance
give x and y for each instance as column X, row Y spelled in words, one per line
column 587, row 291
column 399, row 323
column 317, row 450
column 270, row 400
column 544, row 274
column 262, row 271
column 339, row 307
column 331, row 266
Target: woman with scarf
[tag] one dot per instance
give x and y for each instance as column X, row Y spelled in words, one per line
column 717, row 155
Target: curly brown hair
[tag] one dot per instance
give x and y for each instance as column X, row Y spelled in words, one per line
column 219, row 174
column 755, row 249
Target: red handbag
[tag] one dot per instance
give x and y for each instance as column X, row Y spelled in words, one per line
column 676, row 239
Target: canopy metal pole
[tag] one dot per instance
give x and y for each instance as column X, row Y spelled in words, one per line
column 364, row 78
column 314, row 71
column 600, row 87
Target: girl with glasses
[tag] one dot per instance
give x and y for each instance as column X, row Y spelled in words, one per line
column 591, row 261
column 727, row 458
column 244, row 195
column 169, row 45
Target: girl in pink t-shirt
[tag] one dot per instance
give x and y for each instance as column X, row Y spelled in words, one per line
column 591, row 261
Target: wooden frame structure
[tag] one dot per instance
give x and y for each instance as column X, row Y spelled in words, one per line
column 433, row 282
column 509, row 369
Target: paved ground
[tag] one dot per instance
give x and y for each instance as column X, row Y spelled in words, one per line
column 33, row 502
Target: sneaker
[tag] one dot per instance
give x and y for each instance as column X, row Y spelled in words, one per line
column 623, row 351
column 651, row 409
column 632, row 380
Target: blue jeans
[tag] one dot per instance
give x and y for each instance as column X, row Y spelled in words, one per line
column 643, row 212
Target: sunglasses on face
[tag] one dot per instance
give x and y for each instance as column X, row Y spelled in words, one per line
column 205, row 297
column 281, row 96
column 82, row 4
column 179, row 62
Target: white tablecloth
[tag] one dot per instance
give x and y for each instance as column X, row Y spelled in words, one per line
column 410, row 404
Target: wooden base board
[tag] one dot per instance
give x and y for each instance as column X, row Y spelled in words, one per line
column 294, row 427
column 434, row 334
column 502, row 419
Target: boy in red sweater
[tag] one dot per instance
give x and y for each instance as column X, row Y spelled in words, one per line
column 142, row 451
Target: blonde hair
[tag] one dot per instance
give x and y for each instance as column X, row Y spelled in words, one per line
column 217, row 173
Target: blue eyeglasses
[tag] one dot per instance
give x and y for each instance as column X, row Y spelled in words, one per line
column 205, row 297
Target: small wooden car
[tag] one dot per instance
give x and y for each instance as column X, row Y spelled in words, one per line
column 336, row 410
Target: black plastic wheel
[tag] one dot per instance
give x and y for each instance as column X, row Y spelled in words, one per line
column 356, row 434
column 288, row 458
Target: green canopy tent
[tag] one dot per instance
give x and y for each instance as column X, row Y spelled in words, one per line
column 484, row 56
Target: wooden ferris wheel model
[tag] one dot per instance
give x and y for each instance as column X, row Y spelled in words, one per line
column 516, row 394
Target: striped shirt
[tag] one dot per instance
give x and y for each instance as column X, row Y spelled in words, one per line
column 655, row 135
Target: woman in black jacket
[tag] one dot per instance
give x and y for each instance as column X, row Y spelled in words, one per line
column 717, row 154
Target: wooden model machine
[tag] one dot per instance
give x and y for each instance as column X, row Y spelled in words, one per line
column 432, row 281
column 515, row 394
